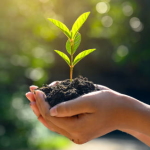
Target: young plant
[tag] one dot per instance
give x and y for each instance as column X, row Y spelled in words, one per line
column 73, row 42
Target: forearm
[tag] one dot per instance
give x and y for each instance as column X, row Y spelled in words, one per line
column 140, row 136
column 134, row 116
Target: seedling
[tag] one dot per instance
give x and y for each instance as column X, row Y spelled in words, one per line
column 73, row 42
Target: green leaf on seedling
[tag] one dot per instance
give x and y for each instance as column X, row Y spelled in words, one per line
column 82, row 55
column 78, row 23
column 64, row 56
column 77, row 42
column 61, row 26
column 68, row 46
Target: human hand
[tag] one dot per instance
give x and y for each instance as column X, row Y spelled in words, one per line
column 80, row 123
column 75, row 129
column 30, row 96
column 35, row 107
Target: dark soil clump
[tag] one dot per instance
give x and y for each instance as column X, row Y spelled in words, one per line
column 66, row 90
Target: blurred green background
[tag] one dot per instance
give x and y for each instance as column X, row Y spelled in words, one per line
column 118, row 29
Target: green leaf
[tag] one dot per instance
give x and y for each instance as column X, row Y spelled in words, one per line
column 68, row 46
column 61, row 26
column 64, row 56
column 82, row 55
column 77, row 42
column 78, row 23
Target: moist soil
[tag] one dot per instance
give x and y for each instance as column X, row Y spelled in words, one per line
column 66, row 90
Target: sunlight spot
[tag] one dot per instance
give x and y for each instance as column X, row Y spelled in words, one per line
column 34, row 73
column 136, row 24
column 49, row 58
column 48, row 12
column 44, row 32
column 107, row 21
column 122, row 51
column 127, row 9
column 17, row 103
column 102, row 7
column 18, row 60
column 25, row 114
column 38, row 52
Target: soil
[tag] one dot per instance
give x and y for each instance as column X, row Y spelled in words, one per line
column 66, row 90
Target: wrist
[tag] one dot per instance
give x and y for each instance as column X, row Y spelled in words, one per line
column 133, row 115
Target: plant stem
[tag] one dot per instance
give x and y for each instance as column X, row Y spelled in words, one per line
column 71, row 59
column 71, row 73
column 71, row 68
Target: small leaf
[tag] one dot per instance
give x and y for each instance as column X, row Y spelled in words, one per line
column 61, row 26
column 64, row 56
column 68, row 46
column 77, row 42
column 82, row 55
column 78, row 23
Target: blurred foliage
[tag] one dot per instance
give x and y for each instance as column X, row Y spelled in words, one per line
column 119, row 29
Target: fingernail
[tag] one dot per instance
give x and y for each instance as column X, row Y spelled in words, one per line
column 53, row 111
column 27, row 93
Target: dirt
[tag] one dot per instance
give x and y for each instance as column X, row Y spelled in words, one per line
column 66, row 90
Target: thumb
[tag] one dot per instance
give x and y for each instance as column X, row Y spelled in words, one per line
column 80, row 105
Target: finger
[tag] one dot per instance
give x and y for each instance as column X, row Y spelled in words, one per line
column 44, row 110
column 44, row 122
column 53, row 127
column 59, row 130
column 42, row 105
column 33, row 87
column 30, row 96
column 82, row 104
column 101, row 87
column 39, row 116
column 35, row 109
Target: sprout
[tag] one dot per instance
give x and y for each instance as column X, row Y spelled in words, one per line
column 73, row 42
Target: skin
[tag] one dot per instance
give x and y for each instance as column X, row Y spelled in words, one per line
column 93, row 115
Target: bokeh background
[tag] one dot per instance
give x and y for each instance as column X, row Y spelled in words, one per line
column 118, row 29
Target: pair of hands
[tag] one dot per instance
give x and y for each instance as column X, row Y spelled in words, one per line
column 91, row 115
column 87, row 117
